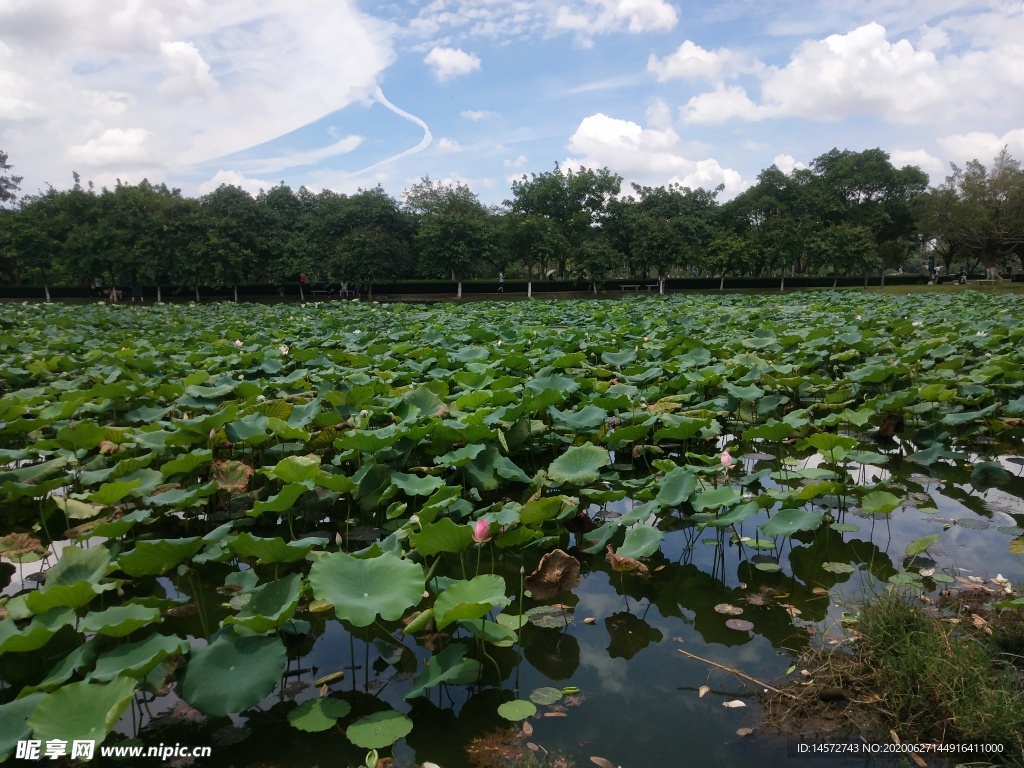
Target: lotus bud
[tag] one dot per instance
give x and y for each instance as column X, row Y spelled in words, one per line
column 238, row 343
column 727, row 460
column 213, row 434
column 283, row 349
column 480, row 531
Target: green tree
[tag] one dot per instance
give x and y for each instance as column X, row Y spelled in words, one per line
column 533, row 241
column 988, row 217
column 9, row 185
column 455, row 233
column 576, row 201
column 727, row 253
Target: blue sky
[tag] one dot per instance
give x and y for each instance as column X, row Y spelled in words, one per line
column 348, row 95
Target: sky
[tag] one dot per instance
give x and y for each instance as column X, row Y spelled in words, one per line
column 349, row 94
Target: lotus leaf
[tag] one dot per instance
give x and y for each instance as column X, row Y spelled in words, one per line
column 232, row 673
column 136, row 659
column 152, row 558
column 320, row 714
column 449, row 666
column 379, row 730
column 119, row 620
column 362, row 589
column 518, row 709
column 786, row 522
column 470, row 599
column 443, row 536
column 86, row 711
column 579, row 465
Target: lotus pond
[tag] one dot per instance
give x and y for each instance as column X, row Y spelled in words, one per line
column 324, row 534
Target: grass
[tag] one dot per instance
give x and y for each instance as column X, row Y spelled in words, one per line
column 937, row 681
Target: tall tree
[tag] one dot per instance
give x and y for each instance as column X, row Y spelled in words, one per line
column 988, row 218
column 576, row 201
column 9, row 185
column 455, row 234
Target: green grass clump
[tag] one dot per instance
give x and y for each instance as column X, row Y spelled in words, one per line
column 938, row 682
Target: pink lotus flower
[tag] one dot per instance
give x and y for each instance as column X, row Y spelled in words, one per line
column 727, row 461
column 480, row 531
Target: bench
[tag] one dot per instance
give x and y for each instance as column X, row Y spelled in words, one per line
column 631, row 287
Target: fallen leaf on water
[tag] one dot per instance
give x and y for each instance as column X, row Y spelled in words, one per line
column 702, row 690
column 602, row 762
column 527, row 729
column 590, row 620
column 741, row 625
column 555, row 714
column 728, row 610
column 532, row 747
column 744, row 731
column 819, row 591
column 918, row 760
column 735, row 703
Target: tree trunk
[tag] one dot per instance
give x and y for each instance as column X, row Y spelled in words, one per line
column 782, row 281
column 302, row 294
column 369, row 292
column 881, row 277
column 236, row 294
column 835, row 281
column 661, row 286
column 721, row 283
column 459, row 294
column 197, row 293
column 865, row 279
column 529, row 289
column 46, row 290
column 159, row 296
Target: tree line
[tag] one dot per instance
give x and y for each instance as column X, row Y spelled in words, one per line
column 849, row 213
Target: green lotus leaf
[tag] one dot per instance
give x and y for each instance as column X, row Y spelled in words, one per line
column 272, row 549
column 588, row 418
column 449, row 666
column 557, row 382
column 546, row 696
column 320, row 714
column 579, row 465
column 461, row 456
column 233, row 673
column 14, row 715
column 119, row 620
column 749, row 392
column 36, row 634
column 838, row 567
column 111, row 493
column 85, row 435
column 83, row 657
column 470, row 599
column 413, row 485
column 641, row 541
column 546, row 508
column 136, row 659
column 153, row 558
column 248, row 430
column 771, row 430
column 362, row 589
column 880, row 502
column 719, row 497
column 281, row 502
column 921, row 545
column 676, row 487
column 296, row 469
column 116, row 527
column 443, row 536
column 180, row 498
column 379, row 730
column 74, row 595
column 270, row 605
column 187, row 463
column 518, row 709
column 680, row 428
column 786, row 522
column 76, row 564
column 491, row 632
column 82, row 711
column 76, row 509
column 618, row 359
column 489, row 468
column 736, row 515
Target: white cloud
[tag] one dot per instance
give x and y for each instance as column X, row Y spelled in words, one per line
column 102, row 81
column 596, row 17
column 928, row 163
column 691, row 62
column 234, row 178
column 113, row 147
column 787, row 163
column 192, row 74
column 858, row 73
column 448, row 145
column 477, row 114
column 645, row 155
column 451, row 62
column 519, row 162
column 721, row 105
column 981, row 146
